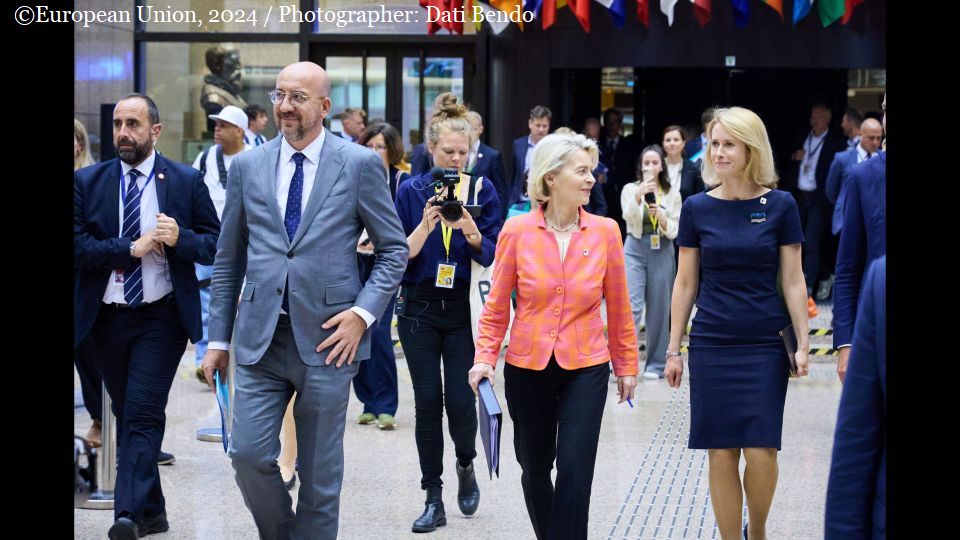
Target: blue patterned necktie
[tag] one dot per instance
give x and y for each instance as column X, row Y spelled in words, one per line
column 291, row 218
column 133, row 274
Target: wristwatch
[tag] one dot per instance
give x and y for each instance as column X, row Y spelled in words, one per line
column 669, row 354
column 470, row 236
column 133, row 245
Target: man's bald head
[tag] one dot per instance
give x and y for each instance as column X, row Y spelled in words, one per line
column 871, row 134
column 302, row 123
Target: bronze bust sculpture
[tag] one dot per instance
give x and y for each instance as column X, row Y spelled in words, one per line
column 222, row 87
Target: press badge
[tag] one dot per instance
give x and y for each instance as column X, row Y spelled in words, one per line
column 445, row 273
column 654, row 241
column 118, row 276
column 758, row 217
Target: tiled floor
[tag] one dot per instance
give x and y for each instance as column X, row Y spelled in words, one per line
column 647, row 484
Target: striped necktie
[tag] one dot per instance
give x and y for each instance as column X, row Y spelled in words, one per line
column 133, row 274
column 291, row 219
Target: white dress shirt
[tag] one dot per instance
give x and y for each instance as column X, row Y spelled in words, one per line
column 154, row 270
column 673, row 173
column 527, row 159
column 812, row 147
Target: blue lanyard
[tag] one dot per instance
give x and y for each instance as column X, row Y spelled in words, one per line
column 123, row 183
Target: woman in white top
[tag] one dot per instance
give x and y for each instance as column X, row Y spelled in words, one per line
column 651, row 209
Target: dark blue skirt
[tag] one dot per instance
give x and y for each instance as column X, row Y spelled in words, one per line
column 737, row 393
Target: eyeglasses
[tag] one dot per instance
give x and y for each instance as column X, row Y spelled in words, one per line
column 377, row 147
column 296, row 98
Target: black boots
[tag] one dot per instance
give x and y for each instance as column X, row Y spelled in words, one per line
column 468, row 493
column 433, row 514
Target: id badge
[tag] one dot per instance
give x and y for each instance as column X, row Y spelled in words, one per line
column 445, row 274
column 401, row 305
column 654, row 241
column 806, row 169
column 118, row 276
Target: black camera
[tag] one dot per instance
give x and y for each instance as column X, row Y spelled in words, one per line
column 650, row 197
column 450, row 206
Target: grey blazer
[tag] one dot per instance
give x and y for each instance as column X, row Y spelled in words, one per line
column 350, row 193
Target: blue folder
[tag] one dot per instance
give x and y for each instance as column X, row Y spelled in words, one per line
column 223, row 401
column 490, row 419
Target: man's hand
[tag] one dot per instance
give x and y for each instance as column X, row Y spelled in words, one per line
column 167, row 230
column 346, row 338
column 842, row 360
column 215, row 360
column 145, row 244
column 798, row 155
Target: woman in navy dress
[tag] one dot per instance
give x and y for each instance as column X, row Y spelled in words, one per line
column 733, row 241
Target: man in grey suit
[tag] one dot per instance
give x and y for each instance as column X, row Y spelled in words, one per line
column 295, row 209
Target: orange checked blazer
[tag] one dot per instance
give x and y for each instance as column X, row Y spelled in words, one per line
column 558, row 306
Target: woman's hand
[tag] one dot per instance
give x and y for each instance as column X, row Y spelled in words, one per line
column 674, row 371
column 625, row 387
column 654, row 211
column 649, row 186
column 803, row 364
column 465, row 222
column 478, row 372
column 431, row 215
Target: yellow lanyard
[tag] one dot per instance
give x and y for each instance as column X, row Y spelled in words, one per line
column 653, row 220
column 447, row 232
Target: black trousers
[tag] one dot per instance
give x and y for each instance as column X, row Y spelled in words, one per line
column 137, row 352
column 434, row 333
column 90, row 384
column 556, row 415
column 815, row 217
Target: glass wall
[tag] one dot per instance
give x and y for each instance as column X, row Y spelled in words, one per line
column 186, row 88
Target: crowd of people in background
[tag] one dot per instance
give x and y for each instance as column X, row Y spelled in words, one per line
column 687, row 218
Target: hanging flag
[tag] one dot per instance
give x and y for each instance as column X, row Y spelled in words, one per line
column 701, row 10
column 666, row 6
column 849, row 10
column 617, row 9
column 581, row 9
column 801, row 8
column 741, row 12
column 548, row 13
column 508, row 6
column 777, row 5
column 830, row 11
column 643, row 12
column 445, row 10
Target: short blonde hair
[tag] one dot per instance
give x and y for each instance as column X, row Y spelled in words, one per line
column 550, row 155
column 448, row 115
column 564, row 130
column 80, row 134
column 748, row 128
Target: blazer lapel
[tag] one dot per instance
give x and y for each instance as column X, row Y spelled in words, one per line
column 113, row 197
column 330, row 165
column 266, row 175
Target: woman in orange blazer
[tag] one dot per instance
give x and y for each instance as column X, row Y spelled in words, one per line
column 561, row 261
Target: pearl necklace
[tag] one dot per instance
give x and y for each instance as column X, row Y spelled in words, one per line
column 568, row 229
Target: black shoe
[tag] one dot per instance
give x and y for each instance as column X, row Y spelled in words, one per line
column 468, row 493
column 123, row 529
column 156, row 524
column 745, row 531
column 291, row 482
column 433, row 515
column 165, row 458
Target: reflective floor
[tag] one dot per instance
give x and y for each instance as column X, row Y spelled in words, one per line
column 647, row 483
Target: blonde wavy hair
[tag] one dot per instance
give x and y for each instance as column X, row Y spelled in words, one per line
column 550, row 155
column 448, row 116
column 748, row 128
column 85, row 158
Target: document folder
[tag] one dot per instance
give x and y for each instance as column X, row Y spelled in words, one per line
column 223, row 401
column 491, row 420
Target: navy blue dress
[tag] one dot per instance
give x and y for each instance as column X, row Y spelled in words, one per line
column 738, row 365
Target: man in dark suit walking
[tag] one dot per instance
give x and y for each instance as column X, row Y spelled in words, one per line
column 484, row 160
column 863, row 239
column 539, row 126
column 857, row 489
column 807, row 180
column 141, row 222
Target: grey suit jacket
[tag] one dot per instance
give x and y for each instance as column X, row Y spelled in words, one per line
column 350, row 193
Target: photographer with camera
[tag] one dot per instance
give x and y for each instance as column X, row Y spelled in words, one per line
column 651, row 209
column 433, row 308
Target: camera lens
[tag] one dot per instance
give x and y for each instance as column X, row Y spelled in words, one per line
column 451, row 210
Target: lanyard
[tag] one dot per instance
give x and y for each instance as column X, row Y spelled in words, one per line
column 445, row 231
column 810, row 152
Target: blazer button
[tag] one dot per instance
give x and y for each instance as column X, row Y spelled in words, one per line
column 559, row 290
column 289, row 254
column 553, row 333
column 556, row 311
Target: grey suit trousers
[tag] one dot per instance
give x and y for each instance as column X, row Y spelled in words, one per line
column 262, row 392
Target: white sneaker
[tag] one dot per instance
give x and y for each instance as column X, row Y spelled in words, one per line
column 650, row 376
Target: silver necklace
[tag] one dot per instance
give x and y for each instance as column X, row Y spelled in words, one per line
column 568, row 229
